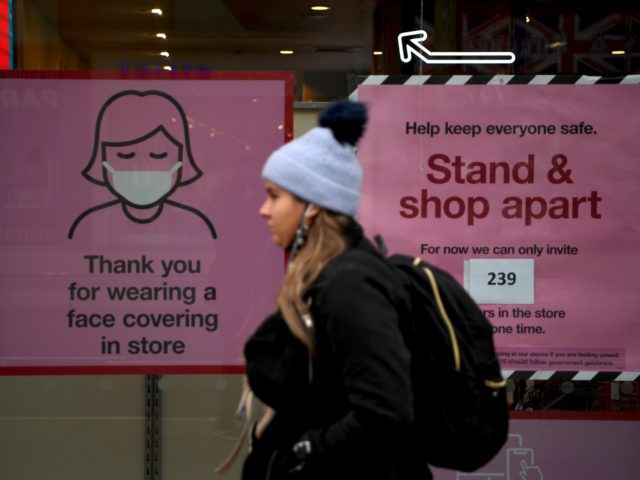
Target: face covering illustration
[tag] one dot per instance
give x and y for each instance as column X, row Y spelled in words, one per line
column 142, row 155
column 142, row 188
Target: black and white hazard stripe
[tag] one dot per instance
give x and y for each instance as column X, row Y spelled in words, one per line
column 519, row 80
column 495, row 80
column 573, row 376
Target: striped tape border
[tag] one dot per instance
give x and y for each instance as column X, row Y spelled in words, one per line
column 518, row 80
column 493, row 80
column 574, row 376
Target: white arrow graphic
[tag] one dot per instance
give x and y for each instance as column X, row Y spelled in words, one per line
column 410, row 43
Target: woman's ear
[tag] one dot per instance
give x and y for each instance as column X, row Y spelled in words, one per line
column 310, row 213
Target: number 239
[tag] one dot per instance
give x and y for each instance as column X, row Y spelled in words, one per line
column 501, row 278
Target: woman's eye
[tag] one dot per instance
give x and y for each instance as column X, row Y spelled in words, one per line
column 158, row 156
column 126, row 156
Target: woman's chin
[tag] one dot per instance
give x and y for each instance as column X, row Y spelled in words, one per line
column 276, row 240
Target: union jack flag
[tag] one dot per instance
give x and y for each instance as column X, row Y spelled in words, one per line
column 567, row 43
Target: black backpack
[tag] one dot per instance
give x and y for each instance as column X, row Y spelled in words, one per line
column 461, row 411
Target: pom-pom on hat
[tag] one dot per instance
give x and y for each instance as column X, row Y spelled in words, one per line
column 321, row 166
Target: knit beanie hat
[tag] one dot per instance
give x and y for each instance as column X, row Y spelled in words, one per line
column 321, row 166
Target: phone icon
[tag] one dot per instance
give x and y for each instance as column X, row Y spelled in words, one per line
column 519, row 464
column 515, row 457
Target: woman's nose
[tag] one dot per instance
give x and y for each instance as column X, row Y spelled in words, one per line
column 264, row 209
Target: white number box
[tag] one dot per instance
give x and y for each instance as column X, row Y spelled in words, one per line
column 500, row 281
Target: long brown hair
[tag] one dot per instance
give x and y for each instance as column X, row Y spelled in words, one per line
column 326, row 240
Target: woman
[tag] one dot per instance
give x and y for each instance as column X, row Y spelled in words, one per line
column 330, row 364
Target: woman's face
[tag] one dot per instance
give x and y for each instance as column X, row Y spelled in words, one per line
column 283, row 212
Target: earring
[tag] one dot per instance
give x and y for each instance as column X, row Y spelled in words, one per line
column 301, row 234
column 301, row 237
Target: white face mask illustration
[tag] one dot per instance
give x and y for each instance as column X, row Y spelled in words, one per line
column 142, row 188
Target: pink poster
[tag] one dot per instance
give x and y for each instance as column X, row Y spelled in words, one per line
column 584, row 449
column 129, row 227
column 530, row 196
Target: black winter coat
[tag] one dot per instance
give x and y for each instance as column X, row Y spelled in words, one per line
column 353, row 399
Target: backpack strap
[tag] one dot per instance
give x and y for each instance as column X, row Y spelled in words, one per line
column 492, row 384
column 417, row 262
column 443, row 312
column 382, row 247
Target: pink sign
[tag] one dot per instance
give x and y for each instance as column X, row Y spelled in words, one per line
column 530, row 195
column 585, row 449
column 129, row 229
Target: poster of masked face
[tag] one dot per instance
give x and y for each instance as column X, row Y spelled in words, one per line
column 142, row 171
column 130, row 235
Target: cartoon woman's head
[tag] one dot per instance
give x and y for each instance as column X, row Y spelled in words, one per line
column 141, row 149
